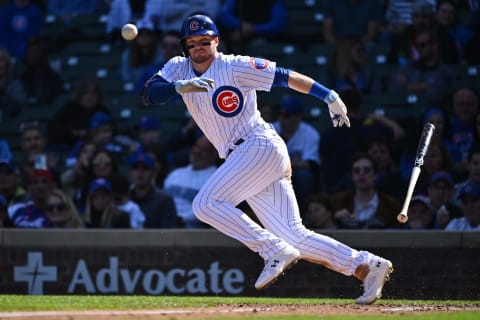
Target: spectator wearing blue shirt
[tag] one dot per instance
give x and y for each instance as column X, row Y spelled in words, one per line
column 243, row 21
column 19, row 21
column 32, row 213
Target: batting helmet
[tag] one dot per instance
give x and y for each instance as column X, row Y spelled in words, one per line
column 198, row 25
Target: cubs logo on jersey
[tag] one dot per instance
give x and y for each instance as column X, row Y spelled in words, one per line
column 227, row 101
column 258, row 63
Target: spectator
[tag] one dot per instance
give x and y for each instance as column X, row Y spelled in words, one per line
column 161, row 166
column 428, row 77
column 101, row 211
column 389, row 178
column 318, row 212
column 123, row 201
column 164, row 15
column 70, row 123
column 303, row 142
column 32, row 213
column 473, row 172
column 66, row 10
column 158, row 207
column 184, row 183
column 102, row 164
column 169, row 47
column 446, row 18
column 34, row 144
column 442, row 133
column 150, row 133
column 10, row 182
column 348, row 67
column 352, row 18
column 5, row 221
column 462, row 119
column 440, row 194
column 20, row 20
column 404, row 48
column 74, row 177
column 470, row 203
column 142, row 52
column 399, row 13
column 244, row 22
column 42, row 83
column 121, row 12
column 102, row 134
column 12, row 93
column 337, row 158
column 181, row 144
column 364, row 207
column 61, row 212
column 420, row 213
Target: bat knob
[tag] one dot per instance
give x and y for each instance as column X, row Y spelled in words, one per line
column 402, row 218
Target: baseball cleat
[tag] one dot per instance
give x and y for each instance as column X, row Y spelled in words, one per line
column 276, row 266
column 379, row 272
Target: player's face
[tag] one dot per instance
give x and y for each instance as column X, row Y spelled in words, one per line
column 201, row 48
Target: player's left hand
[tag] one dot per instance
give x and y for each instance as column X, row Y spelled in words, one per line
column 338, row 112
column 200, row 84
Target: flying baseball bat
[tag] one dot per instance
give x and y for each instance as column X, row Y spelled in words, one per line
column 422, row 149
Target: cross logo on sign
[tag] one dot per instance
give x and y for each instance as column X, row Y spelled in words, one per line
column 35, row 273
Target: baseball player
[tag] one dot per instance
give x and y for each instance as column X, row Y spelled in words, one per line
column 219, row 91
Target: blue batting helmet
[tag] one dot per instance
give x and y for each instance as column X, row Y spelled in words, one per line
column 198, row 25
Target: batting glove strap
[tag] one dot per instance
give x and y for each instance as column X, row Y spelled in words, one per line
column 201, row 84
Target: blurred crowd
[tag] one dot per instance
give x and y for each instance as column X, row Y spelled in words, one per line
column 80, row 169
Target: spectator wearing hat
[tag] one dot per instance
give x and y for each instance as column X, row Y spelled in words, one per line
column 470, row 204
column 102, row 164
column 159, row 208
column 149, row 133
column 102, row 133
column 440, row 193
column 32, row 213
column 303, row 142
column 183, row 183
column 420, row 213
column 101, row 210
column 124, row 203
column 10, row 182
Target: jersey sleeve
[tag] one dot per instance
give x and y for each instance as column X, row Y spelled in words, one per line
column 171, row 70
column 254, row 73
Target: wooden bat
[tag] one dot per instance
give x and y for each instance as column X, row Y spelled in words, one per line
column 422, row 149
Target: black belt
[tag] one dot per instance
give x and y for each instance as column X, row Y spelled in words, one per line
column 236, row 144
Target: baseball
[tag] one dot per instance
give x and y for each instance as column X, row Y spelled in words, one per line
column 129, row 31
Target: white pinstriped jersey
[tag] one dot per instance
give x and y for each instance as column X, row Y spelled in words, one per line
column 228, row 112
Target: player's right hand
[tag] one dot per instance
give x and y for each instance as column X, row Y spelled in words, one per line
column 338, row 111
column 200, row 84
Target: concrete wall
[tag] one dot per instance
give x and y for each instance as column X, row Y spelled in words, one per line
column 428, row 264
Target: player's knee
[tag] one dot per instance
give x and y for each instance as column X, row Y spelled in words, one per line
column 200, row 207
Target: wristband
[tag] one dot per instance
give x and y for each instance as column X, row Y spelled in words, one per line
column 323, row 93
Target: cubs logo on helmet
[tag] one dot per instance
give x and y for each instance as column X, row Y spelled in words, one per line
column 258, row 63
column 199, row 25
column 227, row 101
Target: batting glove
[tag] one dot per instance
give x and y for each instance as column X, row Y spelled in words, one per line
column 337, row 109
column 201, row 84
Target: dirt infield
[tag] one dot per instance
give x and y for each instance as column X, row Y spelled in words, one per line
column 239, row 311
